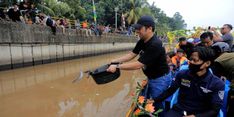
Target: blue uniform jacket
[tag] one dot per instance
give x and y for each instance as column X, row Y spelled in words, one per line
column 198, row 94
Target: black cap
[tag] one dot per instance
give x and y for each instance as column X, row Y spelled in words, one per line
column 180, row 50
column 144, row 21
column 182, row 39
column 15, row 3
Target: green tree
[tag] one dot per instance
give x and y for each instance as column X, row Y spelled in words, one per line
column 177, row 22
column 105, row 9
column 46, row 9
column 162, row 21
column 76, row 8
column 137, row 9
column 60, row 8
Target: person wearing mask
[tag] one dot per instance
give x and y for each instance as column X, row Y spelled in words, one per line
column 200, row 92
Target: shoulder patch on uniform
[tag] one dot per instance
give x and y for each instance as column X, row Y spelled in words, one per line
column 173, row 78
column 185, row 82
column 205, row 90
column 221, row 94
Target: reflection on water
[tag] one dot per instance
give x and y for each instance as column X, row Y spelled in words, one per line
column 48, row 91
column 66, row 106
column 109, row 106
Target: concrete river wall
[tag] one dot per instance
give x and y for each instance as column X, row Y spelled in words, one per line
column 26, row 45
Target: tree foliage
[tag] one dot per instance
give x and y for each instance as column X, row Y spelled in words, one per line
column 105, row 9
column 173, row 35
column 46, row 9
column 60, row 8
column 136, row 10
column 177, row 22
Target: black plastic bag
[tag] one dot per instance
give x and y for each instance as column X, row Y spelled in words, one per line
column 101, row 76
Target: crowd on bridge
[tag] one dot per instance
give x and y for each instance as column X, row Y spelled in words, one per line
column 26, row 12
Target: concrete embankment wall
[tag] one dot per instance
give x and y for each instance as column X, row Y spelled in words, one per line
column 26, row 45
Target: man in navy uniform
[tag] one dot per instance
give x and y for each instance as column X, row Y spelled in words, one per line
column 200, row 92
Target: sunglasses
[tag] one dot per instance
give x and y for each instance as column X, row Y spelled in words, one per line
column 204, row 42
column 222, row 28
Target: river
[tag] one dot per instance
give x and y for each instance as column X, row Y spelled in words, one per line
column 47, row 90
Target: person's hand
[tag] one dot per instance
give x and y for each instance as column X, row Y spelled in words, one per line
column 213, row 29
column 113, row 61
column 190, row 116
column 149, row 101
column 112, row 68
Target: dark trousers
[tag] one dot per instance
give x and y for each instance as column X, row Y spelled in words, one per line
column 173, row 113
column 176, row 112
column 230, row 110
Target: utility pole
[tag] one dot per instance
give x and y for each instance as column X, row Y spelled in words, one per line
column 116, row 10
column 94, row 13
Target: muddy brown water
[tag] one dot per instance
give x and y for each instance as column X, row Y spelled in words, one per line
column 48, row 91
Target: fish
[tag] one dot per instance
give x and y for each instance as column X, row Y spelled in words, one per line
column 81, row 75
column 78, row 77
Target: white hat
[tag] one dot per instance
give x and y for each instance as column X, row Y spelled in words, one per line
column 190, row 40
column 223, row 47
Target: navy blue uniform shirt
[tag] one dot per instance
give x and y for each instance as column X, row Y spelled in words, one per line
column 198, row 94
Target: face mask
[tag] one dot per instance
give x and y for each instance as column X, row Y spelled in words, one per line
column 195, row 68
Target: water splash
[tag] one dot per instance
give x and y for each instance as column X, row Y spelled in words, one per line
column 66, row 106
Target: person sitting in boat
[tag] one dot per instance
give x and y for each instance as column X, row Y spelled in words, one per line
column 224, row 67
column 200, row 92
column 179, row 58
column 169, row 56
